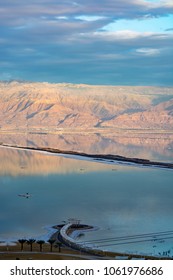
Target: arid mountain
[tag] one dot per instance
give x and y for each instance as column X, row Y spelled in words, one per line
column 51, row 107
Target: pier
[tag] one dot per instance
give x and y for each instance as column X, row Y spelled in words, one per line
column 65, row 237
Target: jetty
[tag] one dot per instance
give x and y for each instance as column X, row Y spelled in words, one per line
column 65, row 236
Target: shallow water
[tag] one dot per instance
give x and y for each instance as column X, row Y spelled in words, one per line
column 120, row 200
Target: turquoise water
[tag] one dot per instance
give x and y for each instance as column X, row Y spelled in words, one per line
column 120, row 200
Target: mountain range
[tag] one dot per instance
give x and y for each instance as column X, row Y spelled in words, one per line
column 53, row 107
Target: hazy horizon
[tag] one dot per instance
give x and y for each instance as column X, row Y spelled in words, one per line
column 87, row 84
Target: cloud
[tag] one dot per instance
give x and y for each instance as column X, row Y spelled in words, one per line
column 121, row 35
column 67, row 41
column 12, row 11
column 148, row 51
column 89, row 18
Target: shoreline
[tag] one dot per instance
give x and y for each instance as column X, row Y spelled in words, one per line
column 104, row 158
column 50, row 231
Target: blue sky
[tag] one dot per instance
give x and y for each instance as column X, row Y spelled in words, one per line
column 127, row 42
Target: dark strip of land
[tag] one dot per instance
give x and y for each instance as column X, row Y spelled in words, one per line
column 101, row 157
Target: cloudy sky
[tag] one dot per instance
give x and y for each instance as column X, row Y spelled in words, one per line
column 127, row 42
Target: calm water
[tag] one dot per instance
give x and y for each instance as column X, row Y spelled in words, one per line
column 120, row 200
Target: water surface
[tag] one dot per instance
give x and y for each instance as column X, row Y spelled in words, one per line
column 120, row 200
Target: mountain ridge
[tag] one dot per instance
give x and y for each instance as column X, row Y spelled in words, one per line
column 47, row 106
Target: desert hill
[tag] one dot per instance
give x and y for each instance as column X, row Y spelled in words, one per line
column 49, row 107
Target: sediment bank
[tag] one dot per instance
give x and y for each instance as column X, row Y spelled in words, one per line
column 106, row 158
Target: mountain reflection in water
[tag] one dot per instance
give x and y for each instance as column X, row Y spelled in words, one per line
column 21, row 162
column 152, row 146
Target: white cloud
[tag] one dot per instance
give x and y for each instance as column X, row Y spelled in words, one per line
column 157, row 3
column 167, row 3
column 148, row 51
column 121, row 35
column 89, row 18
column 62, row 17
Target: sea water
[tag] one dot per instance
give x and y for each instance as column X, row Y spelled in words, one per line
column 132, row 207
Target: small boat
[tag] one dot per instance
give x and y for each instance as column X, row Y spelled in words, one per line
column 26, row 195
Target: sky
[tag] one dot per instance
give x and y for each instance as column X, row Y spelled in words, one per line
column 111, row 42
